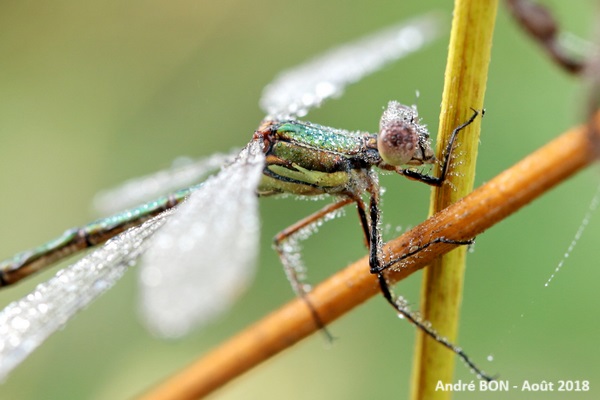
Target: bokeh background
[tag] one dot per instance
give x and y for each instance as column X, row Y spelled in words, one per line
column 93, row 93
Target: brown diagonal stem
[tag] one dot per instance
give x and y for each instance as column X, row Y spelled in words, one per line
column 469, row 217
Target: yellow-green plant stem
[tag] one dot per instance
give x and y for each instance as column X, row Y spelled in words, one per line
column 464, row 89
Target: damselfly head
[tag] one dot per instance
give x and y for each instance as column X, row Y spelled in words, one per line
column 402, row 139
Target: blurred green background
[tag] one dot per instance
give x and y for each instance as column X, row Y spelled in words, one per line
column 93, row 93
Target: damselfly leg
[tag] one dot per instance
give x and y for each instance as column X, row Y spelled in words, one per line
column 378, row 267
column 286, row 242
column 286, row 245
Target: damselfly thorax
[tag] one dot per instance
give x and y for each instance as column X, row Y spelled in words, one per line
column 308, row 159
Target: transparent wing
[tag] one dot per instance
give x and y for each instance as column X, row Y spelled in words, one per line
column 26, row 323
column 204, row 256
column 182, row 174
column 295, row 91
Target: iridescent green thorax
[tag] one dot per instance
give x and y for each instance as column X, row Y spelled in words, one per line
column 309, row 159
column 321, row 137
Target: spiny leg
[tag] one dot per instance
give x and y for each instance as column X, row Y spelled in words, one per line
column 375, row 261
column 418, row 322
column 433, row 181
column 438, row 181
column 422, row 247
column 377, row 266
column 294, row 270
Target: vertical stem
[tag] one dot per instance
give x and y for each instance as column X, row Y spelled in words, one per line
column 464, row 88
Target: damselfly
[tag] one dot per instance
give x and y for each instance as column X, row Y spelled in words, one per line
column 194, row 264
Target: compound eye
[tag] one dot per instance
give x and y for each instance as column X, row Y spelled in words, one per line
column 397, row 142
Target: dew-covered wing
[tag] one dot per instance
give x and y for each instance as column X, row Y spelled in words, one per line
column 184, row 172
column 295, row 91
column 26, row 323
column 204, row 256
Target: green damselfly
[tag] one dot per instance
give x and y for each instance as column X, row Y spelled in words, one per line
column 285, row 156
